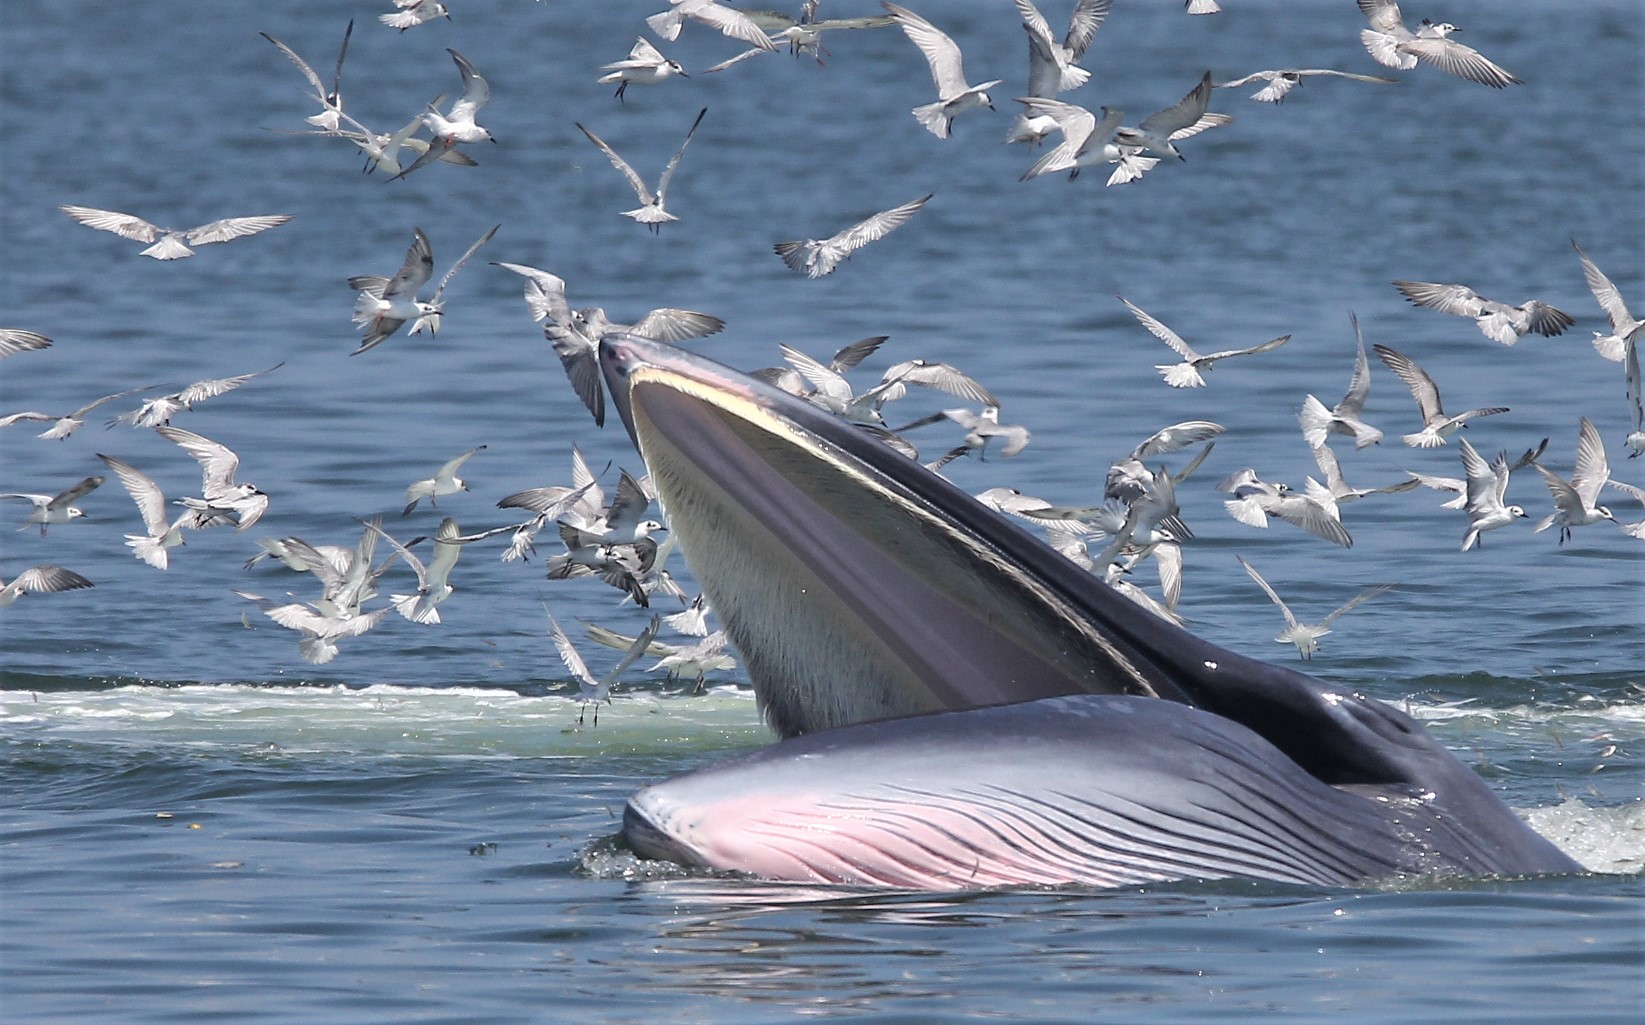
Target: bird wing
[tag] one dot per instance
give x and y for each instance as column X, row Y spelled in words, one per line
column 233, row 227
column 1359, row 386
column 1175, row 437
column 941, row 52
column 48, row 578
column 1185, row 113
column 1368, row 593
column 1273, row 595
column 217, row 462
column 849, row 356
column 634, row 180
column 303, row 66
column 1383, row 15
column 1160, row 331
column 476, row 91
column 1592, row 468
column 666, row 324
column 568, row 654
column 826, row 381
column 581, row 362
column 1565, row 497
column 14, row 340
column 1455, row 299
column 151, row 502
column 734, row 23
column 1545, row 320
column 1088, row 16
column 450, row 468
column 941, row 376
column 88, row 407
column 415, row 271
column 544, row 292
column 1272, row 343
column 482, row 240
column 68, row 495
column 1605, row 292
column 124, row 225
column 668, row 172
column 1457, row 59
column 1316, row 72
column 1416, row 379
column 878, row 226
column 637, row 647
column 199, row 391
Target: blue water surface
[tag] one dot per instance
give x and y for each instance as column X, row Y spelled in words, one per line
column 197, row 825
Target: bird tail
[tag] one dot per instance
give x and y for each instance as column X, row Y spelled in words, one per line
column 170, row 247
column 935, row 118
column 1074, row 76
column 317, row 650
column 149, row 550
column 411, row 607
column 1316, row 421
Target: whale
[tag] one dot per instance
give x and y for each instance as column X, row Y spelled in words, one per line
column 958, row 706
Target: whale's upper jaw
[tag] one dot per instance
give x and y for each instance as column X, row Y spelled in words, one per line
column 858, row 585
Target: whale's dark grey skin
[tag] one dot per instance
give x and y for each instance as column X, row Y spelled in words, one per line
column 921, row 633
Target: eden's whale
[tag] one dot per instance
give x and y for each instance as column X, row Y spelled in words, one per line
column 961, row 706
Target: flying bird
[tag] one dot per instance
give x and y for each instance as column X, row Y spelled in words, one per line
column 412, row 13
column 816, row 257
column 219, row 492
column 159, row 411
column 589, row 690
column 1053, row 64
column 1306, row 635
column 330, row 99
column 575, row 334
column 1159, row 132
column 1624, row 325
column 59, row 508
column 41, row 580
column 1500, row 322
column 1435, row 424
column 726, row 20
column 954, row 95
column 1129, row 479
column 172, row 243
column 1576, row 501
column 1485, row 493
column 1395, row 46
column 457, row 125
column 1344, row 418
column 1187, row 374
column 644, row 65
column 444, row 482
column 65, row 425
column 1283, row 80
column 652, row 211
column 152, row 547
column 386, row 303
column 1086, row 141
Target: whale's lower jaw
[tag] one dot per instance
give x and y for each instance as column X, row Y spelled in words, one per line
column 1086, row 790
column 871, row 599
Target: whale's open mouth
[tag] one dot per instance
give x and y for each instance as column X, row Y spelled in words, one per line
column 872, row 599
